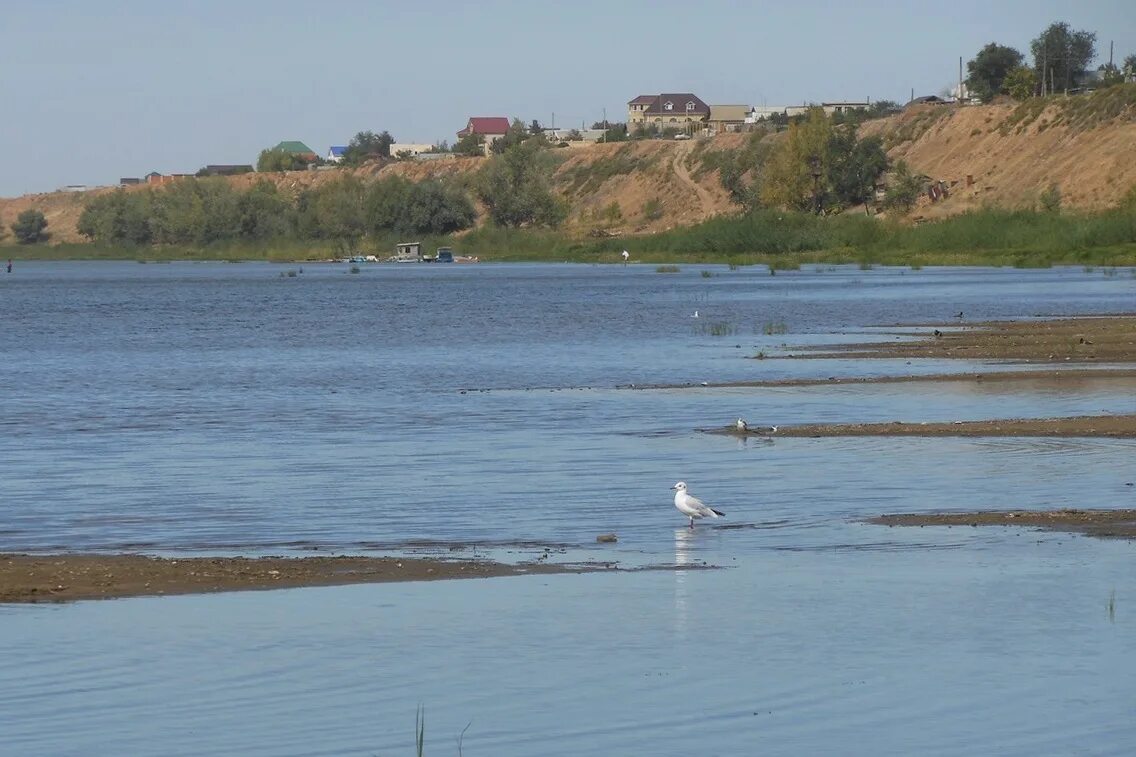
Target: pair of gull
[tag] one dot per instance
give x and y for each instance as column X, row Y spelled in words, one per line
column 691, row 506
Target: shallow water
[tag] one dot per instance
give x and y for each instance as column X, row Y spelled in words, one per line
column 212, row 408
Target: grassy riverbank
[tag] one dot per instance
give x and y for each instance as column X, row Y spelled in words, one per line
column 780, row 240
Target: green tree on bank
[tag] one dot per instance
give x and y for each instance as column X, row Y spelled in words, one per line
column 516, row 187
column 986, row 74
column 30, row 226
column 1061, row 56
column 366, row 145
column 279, row 160
column 211, row 211
column 818, row 165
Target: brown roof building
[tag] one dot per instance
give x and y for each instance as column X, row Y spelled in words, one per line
column 674, row 110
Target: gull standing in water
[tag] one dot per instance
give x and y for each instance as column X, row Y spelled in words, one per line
column 692, row 507
column 741, row 425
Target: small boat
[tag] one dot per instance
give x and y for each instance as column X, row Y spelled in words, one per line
column 444, row 255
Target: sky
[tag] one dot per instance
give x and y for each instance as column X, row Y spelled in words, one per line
column 91, row 91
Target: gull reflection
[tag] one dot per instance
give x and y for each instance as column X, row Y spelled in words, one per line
column 684, row 555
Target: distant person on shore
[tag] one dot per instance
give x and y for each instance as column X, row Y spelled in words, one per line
column 9, row 265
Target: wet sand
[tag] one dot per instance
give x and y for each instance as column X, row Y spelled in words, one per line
column 1110, row 339
column 60, row 578
column 1112, row 524
column 1109, row 426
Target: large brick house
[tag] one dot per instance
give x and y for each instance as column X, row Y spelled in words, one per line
column 491, row 128
column 679, row 110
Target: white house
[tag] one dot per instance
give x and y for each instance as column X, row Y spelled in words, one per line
column 335, row 153
column 408, row 148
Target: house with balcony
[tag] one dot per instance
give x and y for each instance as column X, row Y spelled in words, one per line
column 683, row 111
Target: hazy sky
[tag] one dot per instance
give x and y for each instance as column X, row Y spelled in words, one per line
column 91, row 91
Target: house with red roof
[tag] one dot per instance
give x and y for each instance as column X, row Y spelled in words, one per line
column 491, row 128
column 675, row 110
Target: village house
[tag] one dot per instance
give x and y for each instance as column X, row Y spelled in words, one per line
column 299, row 149
column 572, row 136
column 682, row 111
column 491, row 128
column 408, row 149
column 335, row 153
column 844, row 107
column 725, row 118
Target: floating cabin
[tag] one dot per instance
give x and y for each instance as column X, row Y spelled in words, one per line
column 408, row 252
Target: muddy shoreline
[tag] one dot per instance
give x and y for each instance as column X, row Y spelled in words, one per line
column 1104, row 524
column 1108, row 339
column 63, row 578
column 1090, row 426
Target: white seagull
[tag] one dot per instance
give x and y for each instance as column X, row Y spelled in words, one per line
column 692, row 507
column 741, row 425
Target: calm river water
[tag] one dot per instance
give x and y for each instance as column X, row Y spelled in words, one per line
column 480, row 410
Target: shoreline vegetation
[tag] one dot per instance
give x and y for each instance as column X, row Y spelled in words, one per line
column 776, row 239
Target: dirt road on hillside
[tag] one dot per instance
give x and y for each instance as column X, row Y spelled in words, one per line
column 705, row 199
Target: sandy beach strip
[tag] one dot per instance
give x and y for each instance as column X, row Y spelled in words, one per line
column 1111, row 524
column 66, row 577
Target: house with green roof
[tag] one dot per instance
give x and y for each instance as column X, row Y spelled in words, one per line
column 299, row 149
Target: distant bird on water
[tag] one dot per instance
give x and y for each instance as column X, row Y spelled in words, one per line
column 695, row 314
column 692, row 507
column 958, row 314
column 741, row 425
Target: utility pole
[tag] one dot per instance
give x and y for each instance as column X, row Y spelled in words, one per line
column 959, row 100
column 1044, row 66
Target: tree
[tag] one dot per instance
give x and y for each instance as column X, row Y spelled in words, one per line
column 1129, row 67
column 986, row 74
column 515, row 187
column 793, row 176
column 366, row 145
column 905, row 188
column 535, row 128
column 1061, row 56
column 1020, row 83
column 279, row 160
column 516, row 134
column 881, row 108
column 118, row 218
column 854, row 165
column 435, row 208
column 29, row 227
column 1110, row 75
column 263, row 213
column 471, row 145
